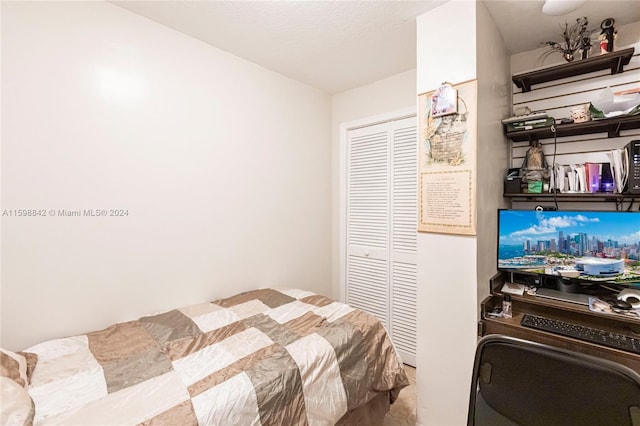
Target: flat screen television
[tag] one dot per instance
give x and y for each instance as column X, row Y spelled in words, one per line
column 571, row 250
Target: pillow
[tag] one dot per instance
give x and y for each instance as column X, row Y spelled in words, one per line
column 17, row 407
column 14, row 366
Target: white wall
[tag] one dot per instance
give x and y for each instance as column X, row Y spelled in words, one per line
column 224, row 168
column 447, row 264
column 494, row 104
column 389, row 95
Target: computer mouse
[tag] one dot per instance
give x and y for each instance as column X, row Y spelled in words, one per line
column 619, row 304
column 631, row 296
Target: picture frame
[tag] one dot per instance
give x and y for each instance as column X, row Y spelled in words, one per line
column 444, row 100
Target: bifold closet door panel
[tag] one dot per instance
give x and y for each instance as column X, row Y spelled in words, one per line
column 368, row 211
column 404, row 237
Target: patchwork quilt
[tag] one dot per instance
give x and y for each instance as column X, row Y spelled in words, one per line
column 265, row 357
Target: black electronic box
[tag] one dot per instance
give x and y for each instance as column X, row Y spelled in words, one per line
column 633, row 150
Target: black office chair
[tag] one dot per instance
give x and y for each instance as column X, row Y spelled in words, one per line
column 518, row 382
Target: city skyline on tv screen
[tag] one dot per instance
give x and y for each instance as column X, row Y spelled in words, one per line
column 598, row 246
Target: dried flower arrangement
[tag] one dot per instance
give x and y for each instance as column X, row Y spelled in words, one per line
column 573, row 37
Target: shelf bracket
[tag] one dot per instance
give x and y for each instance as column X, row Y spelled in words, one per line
column 618, row 66
column 614, row 130
column 525, row 85
column 619, row 204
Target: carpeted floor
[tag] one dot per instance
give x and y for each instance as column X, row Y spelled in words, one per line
column 403, row 411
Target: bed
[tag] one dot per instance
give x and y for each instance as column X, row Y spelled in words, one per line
column 264, row 357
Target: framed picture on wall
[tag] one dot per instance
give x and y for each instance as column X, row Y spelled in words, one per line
column 444, row 101
column 447, row 159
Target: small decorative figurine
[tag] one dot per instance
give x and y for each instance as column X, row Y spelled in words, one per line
column 580, row 114
column 535, row 160
column 607, row 35
column 535, row 167
column 585, row 47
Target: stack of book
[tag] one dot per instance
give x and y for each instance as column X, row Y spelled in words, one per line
column 527, row 122
column 590, row 176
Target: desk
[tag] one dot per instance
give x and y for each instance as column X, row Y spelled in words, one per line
column 565, row 311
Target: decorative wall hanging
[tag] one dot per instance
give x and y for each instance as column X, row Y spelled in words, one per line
column 444, row 101
column 447, row 162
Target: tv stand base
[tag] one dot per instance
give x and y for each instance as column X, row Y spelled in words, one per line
column 581, row 299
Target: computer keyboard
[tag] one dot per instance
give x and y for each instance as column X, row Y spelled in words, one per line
column 581, row 332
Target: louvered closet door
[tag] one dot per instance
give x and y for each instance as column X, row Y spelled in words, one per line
column 381, row 227
column 368, row 191
column 404, row 237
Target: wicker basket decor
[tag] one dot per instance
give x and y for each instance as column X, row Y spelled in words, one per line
column 445, row 136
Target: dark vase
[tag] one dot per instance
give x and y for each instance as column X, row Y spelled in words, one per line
column 568, row 57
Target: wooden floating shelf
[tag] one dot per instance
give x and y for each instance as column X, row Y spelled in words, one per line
column 612, row 126
column 613, row 60
column 573, row 196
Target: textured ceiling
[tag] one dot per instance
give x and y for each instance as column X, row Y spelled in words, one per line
column 331, row 45
column 339, row 45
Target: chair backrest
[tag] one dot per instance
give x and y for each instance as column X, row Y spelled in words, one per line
column 518, row 382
